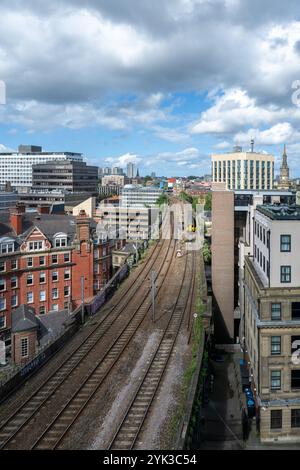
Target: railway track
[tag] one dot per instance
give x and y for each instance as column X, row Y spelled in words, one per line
column 134, row 418
column 58, row 428
column 84, row 377
column 19, row 420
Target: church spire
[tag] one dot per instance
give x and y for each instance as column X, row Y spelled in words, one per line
column 284, row 180
column 284, row 157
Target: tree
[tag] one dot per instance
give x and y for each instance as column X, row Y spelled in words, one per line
column 183, row 196
column 207, row 205
column 163, row 199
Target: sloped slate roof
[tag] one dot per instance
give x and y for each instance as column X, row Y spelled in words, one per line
column 24, row 319
column 48, row 224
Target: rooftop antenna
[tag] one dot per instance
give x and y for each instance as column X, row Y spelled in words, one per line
column 252, row 145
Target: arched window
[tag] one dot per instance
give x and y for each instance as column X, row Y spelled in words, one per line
column 60, row 240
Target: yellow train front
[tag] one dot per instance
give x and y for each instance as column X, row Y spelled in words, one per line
column 191, row 228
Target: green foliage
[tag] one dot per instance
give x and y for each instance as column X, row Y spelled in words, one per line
column 206, row 251
column 183, row 196
column 163, row 199
column 207, row 206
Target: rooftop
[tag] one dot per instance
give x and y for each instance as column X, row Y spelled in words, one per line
column 47, row 223
column 34, row 154
column 24, row 319
column 280, row 211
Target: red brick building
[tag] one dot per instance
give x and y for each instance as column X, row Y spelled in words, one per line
column 43, row 258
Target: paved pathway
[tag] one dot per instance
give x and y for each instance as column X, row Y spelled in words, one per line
column 223, row 422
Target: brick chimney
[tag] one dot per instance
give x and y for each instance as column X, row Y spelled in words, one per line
column 16, row 218
column 82, row 227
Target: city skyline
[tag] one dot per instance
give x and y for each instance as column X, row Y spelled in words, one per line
column 137, row 100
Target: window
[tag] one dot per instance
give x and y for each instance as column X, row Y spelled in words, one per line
column 29, row 262
column 104, row 266
column 42, row 260
column 7, row 247
column 67, row 274
column 24, row 347
column 275, row 380
column 276, row 419
column 14, row 300
column 276, row 311
column 2, row 303
column 2, row 322
column 42, row 310
column 60, row 242
column 14, row 264
column 295, row 310
column 29, row 280
column 66, row 291
column 285, row 242
column 55, row 307
column 42, row 278
column 275, row 345
column 42, row 295
column 55, row 293
column 295, row 378
column 268, row 239
column 2, row 267
column 2, row 285
column 285, row 274
column 295, row 418
column 29, row 297
column 35, row 246
column 54, row 259
column 54, row 276
column 14, row 282
column 67, row 257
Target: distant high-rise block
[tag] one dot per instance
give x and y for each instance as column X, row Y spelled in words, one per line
column 243, row 170
column 132, row 170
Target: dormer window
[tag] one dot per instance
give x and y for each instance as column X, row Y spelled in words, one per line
column 35, row 246
column 7, row 245
column 60, row 240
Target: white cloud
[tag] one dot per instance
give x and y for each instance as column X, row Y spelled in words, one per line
column 222, row 145
column 232, row 110
column 122, row 160
column 278, row 134
column 4, row 149
column 115, row 64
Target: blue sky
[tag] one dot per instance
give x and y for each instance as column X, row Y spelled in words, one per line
column 162, row 83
